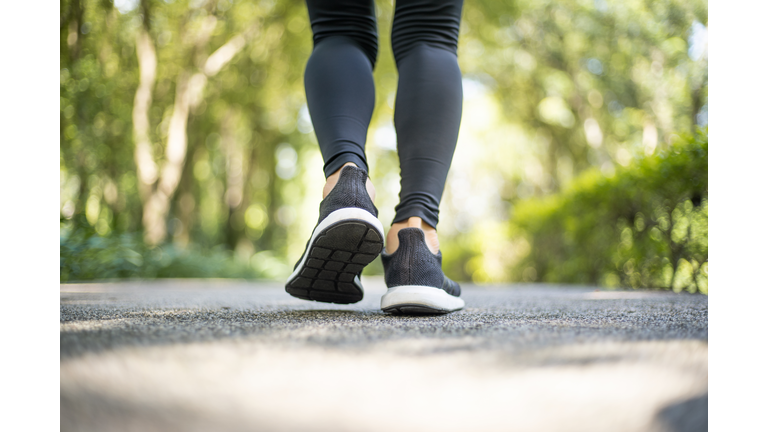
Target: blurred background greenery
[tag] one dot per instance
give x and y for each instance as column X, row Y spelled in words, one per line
column 187, row 150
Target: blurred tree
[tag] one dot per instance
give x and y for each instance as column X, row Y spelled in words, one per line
column 198, row 134
column 157, row 186
column 590, row 81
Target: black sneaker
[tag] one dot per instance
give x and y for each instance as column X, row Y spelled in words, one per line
column 415, row 280
column 348, row 236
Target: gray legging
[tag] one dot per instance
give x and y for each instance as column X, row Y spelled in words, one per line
column 341, row 94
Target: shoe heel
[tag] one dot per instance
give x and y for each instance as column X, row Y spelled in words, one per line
column 341, row 246
column 415, row 279
column 419, row 299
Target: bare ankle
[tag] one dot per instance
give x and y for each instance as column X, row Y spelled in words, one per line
column 332, row 179
column 430, row 234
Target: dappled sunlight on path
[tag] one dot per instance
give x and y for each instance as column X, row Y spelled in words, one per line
column 200, row 355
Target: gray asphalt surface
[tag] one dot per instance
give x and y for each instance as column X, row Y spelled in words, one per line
column 228, row 355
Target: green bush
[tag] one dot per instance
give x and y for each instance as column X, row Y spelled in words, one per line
column 84, row 255
column 645, row 226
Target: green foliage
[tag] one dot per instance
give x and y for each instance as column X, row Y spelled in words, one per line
column 646, row 226
column 586, row 81
column 85, row 255
column 247, row 111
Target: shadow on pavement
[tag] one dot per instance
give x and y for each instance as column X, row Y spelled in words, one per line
column 687, row 416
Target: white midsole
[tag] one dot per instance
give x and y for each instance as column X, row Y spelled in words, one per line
column 428, row 296
column 337, row 216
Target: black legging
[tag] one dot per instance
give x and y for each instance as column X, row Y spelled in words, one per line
column 341, row 94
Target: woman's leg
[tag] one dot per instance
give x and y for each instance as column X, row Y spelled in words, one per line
column 340, row 96
column 339, row 79
column 425, row 35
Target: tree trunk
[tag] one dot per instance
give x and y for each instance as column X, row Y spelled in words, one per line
column 145, row 163
column 233, row 152
column 157, row 189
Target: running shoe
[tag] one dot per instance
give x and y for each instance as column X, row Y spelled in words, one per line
column 348, row 236
column 415, row 280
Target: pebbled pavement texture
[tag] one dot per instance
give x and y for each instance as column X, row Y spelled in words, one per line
column 222, row 355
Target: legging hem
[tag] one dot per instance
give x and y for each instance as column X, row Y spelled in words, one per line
column 339, row 160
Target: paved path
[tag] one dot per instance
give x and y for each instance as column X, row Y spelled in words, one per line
column 237, row 356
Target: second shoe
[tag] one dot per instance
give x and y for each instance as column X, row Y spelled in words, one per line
column 415, row 280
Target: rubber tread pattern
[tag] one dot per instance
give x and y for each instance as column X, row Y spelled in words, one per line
column 414, row 309
column 337, row 255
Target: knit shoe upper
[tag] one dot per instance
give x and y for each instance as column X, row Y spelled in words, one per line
column 349, row 191
column 414, row 264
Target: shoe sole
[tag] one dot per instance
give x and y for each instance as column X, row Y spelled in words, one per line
column 341, row 245
column 419, row 299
